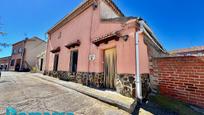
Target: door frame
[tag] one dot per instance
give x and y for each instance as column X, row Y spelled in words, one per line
column 104, row 67
column 18, row 63
column 56, row 64
column 71, row 60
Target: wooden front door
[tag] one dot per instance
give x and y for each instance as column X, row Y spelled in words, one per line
column 110, row 67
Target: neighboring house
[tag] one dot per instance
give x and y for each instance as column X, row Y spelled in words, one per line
column 24, row 54
column 4, row 63
column 41, row 59
column 194, row 51
column 98, row 46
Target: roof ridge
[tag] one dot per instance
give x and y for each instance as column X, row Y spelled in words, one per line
column 85, row 4
column 116, row 7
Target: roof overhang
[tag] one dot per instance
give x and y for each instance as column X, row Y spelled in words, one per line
column 55, row 50
column 152, row 35
column 115, row 8
column 106, row 38
column 73, row 44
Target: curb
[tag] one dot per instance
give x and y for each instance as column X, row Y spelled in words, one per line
column 127, row 107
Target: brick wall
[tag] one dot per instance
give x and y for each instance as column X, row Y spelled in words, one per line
column 181, row 78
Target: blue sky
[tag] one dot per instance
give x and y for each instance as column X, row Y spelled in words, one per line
column 176, row 23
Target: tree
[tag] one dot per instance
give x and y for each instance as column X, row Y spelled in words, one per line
column 1, row 33
column 1, row 43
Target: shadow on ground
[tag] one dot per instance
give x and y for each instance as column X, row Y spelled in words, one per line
column 4, row 81
column 152, row 108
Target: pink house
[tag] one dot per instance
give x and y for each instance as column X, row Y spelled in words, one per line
column 98, row 46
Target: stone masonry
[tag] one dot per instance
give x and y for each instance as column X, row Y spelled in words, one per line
column 124, row 83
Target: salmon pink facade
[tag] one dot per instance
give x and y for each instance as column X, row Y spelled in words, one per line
column 96, row 45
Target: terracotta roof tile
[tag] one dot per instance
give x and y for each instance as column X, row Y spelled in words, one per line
column 198, row 48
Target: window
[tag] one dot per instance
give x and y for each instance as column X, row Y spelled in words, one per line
column 73, row 61
column 56, row 59
column 12, row 62
column 14, row 51
column 20, row 50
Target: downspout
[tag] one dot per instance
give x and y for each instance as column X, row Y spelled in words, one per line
column 137, row 69
column 138, row 81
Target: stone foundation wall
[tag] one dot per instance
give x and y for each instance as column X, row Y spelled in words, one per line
column 124, row 83
column 90, row 79
column 63, row 75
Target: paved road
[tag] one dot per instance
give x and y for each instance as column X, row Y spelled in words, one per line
column 29, row 94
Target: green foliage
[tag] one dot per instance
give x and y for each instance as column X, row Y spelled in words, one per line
column 3, row 44
column 2, row 33
column 34, row 70
column 174, row 105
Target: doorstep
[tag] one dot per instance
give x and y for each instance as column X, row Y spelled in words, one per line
column 111, row 97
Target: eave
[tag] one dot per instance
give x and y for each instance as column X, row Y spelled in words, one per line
column 55, row 50
column 73, row 44
column 106, row 38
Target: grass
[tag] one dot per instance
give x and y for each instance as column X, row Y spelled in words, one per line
column 174, row 105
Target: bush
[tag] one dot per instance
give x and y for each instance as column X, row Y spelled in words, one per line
column 34, row 70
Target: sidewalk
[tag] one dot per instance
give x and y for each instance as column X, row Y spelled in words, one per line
column 110, row 97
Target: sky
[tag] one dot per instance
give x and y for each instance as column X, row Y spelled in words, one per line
column 176, row 23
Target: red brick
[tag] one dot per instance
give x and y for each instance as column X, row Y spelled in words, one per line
column 189, row 89
column 178, row 83
column 181, row 78
column 194, row 82
column 200, row 91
